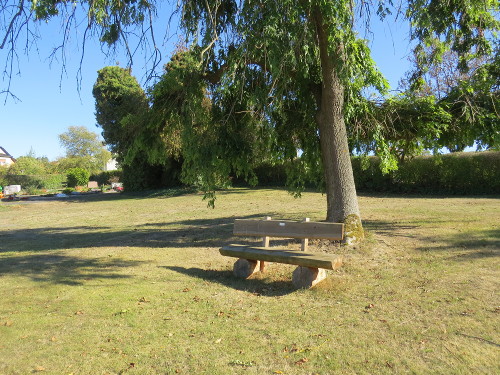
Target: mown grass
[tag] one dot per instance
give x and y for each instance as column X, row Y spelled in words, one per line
column 117, row 284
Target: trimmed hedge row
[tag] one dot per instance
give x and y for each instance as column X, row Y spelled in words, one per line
column 466, row 173
column 31, row 182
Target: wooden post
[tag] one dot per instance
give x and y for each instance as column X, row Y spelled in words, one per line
column 305, row 241
column 265, row 243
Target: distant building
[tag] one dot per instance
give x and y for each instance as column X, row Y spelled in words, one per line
column 6, row 158
column 111, row 165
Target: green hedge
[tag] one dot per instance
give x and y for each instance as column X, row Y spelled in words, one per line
column 30, row 182
column 466, row 173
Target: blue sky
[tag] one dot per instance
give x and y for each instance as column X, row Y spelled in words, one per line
column 50, row 101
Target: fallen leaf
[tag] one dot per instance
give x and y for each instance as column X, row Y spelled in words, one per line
column 186, row 290
column 143, row 300
column 131, row 365
column 301, row 361
column 39, row 369
column 79, row 312
column 53, row 339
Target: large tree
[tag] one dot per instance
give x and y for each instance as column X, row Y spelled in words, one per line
column 123, row 113
column 120, row 103
column 289, row 60
column 84, row 149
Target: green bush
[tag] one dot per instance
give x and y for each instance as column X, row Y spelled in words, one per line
column 30, row 183
column 104, row 178
column 77, row 177
column 466, row 173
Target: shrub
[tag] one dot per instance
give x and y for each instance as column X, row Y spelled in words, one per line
column 106, row 177
column 467, row 173
column 77, row 177
column 31, row 183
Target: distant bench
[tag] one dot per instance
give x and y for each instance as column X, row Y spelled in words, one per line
column 311, row 266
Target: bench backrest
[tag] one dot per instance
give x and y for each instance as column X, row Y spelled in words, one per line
column 288, row 229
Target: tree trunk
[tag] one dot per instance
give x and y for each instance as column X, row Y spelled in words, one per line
column 342, row 201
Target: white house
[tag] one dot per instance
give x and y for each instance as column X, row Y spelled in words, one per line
column 6, row 158
column 111, row 165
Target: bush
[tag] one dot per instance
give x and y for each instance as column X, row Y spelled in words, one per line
column 466, row 173
column 31, row 183
column 105, row 178
column 77, row 177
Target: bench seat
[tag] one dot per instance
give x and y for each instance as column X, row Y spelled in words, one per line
column 299, row 258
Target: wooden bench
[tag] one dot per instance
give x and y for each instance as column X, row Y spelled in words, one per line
column 311, row 266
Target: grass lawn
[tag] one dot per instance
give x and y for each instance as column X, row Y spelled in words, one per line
column 126, row 284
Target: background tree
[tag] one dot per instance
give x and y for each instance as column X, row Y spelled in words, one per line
column 28, row 165
column 84, row 150
column 450, row 108
column 118, row 97
column 122, row 111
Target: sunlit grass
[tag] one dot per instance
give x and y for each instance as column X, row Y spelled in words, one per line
column 135, row 284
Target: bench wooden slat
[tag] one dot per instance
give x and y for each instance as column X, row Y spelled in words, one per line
column 299, row 258
column 288, row 229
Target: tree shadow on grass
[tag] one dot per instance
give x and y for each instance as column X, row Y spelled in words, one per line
column 469, row 245
column 63, row 269
column 254, row 286
column 179, row 234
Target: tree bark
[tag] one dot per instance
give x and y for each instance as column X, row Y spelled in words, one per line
column 342, row 201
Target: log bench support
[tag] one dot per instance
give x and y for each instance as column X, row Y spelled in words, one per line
column 307, row 277
column 311, row 266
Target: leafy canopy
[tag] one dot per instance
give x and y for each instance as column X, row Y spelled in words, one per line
column 84, row 149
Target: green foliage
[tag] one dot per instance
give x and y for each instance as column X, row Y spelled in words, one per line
column 467, row 27
column 141, row 175
column 474, row 106
column 83, row 150
column 106, row 177
column 147, row 153
column 451, row 174
column 77, row 177
column 458, row 173
column 35, row 182
column 464, row 115
column 68, row 190
column 28, row 165
column 266, row 84
column 118, row 96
